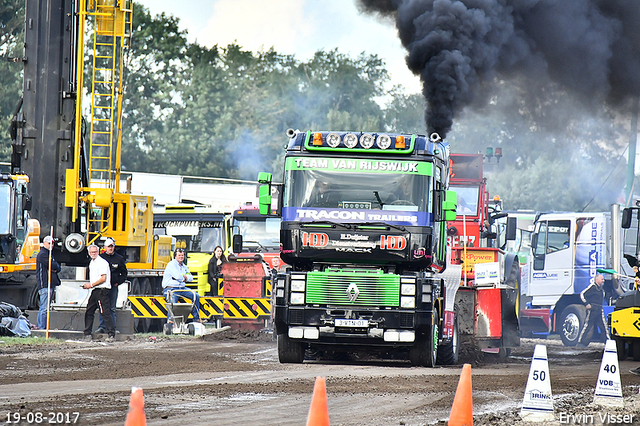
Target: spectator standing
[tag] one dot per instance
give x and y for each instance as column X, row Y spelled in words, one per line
column 118, row 268
column 100, row 283
column 175, row 277
column 46, row 291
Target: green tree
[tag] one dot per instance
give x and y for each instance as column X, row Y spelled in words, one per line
column 11, row 42
column 405, row 113
column 155, row 68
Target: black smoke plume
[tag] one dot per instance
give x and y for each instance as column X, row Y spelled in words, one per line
column 589, row 47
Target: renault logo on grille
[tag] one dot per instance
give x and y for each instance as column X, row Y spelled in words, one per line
column 353, row 292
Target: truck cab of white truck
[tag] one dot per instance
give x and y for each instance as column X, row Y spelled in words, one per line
column 566, row 251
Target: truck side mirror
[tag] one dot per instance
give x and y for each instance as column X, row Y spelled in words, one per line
column 264, row 177
column 512, row 225
column 237, row 243
column 450, row 216
column 264, row 199
column 26, row 202
column 450, row 205
column 627, row 215
column 264, row 192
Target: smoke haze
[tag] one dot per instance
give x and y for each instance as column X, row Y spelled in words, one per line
column 590, row 48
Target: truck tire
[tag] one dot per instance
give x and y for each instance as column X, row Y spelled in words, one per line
column 621, row 348
column 449, row 350
column 289, row 351
column 512, row 275
column 571, row 323
column 424, row 351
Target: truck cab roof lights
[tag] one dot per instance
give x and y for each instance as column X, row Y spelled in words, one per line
column 366, row 141
column 350, row 140
column 384, row 141
column 333, row 139
column 359, row 141
column 317, row 139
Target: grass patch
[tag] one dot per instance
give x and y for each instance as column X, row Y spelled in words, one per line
column 6, row 341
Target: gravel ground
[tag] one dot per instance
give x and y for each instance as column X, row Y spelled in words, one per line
column 233, row 377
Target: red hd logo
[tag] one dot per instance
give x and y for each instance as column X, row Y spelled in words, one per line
column 314, row 239
column 393, row 242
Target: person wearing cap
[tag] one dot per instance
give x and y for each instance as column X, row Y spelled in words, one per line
column 175, row 277
column 45, row 291
column 119, row 273
column 99, row 284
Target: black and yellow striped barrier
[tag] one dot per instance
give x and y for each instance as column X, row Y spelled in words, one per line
column 226, row 308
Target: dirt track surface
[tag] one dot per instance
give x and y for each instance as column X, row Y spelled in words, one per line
column 235, row 378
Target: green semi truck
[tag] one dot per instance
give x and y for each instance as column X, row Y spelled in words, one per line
column 363, row 232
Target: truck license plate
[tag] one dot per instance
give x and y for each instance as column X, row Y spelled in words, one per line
column 352, row 323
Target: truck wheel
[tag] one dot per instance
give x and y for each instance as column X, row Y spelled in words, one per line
column 424, row 351
column 448, row 351
column 621, row 348
column 289, row 351
column 513, row 275
column 571, row 323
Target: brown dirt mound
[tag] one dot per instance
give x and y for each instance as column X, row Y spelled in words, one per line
column 244, row 336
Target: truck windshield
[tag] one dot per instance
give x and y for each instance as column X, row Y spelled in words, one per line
column 357, row 190
column 194, row 236
column 258, row 233
column 468, row 198
column 5, row 209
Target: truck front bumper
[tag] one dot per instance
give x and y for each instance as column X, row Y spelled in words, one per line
column 361, row 327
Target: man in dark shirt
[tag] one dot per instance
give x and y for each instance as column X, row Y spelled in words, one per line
column 118, row 268
column 593, row 297
column 46, row 291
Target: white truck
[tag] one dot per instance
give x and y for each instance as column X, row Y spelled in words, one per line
column 566, row 251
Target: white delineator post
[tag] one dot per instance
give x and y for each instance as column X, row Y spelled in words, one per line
column 537, row 405
column 609, row 387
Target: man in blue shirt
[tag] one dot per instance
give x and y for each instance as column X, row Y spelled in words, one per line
column 176, row 274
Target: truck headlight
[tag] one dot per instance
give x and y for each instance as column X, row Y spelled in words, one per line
column 407, row 302
column 408, row 289
column 297, row 298
column 297, row 285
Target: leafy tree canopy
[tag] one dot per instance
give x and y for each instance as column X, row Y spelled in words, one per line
column 223, row 112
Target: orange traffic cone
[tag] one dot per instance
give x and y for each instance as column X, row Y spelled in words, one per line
column 462, row 409
column 135, row 416
column 319, row 413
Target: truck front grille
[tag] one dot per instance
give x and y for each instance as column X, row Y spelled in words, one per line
column 353, row 289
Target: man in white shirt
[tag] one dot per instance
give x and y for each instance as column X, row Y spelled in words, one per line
column 100, row 283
